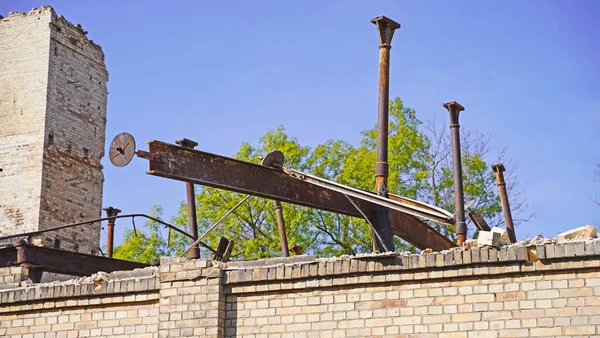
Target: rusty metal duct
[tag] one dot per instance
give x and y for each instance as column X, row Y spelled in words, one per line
column 382, row 224
column 459, row 201
column 499, row 170
column 191, row 203
column 110, row 229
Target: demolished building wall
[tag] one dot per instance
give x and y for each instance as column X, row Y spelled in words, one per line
column 534, row 289
column 53, row 99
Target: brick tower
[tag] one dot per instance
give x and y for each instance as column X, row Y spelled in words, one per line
column 52, row 129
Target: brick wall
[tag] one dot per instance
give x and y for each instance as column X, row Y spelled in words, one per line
column 545, row 290
column 52, row 128
column 122, row 304
column 25, row 45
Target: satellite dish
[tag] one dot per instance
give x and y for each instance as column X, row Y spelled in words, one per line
column 122, row 149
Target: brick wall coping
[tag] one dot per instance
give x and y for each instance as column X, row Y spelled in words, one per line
column 82, row 291
column 300, row 272
column 310, row 271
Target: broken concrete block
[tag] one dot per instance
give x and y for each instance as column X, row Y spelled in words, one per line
column 504, row 240
column 583, row 232
column 470, row 244
column 489, row 238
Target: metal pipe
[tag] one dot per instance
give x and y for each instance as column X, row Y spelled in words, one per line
column 110, row 229
column 275, row 160
column 281, row 228
column 385, row 28
column 508, row 221
column 459, row 200
column 191, row 203
column 215, row 225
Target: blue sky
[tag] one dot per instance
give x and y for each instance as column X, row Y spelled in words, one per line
column 225, row 72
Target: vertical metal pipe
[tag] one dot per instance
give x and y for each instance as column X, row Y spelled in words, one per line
column 275, row 160
column 385, row 28
column 281, row 228
column 499, row 170
column 110, row 229
column 459, row 200
column 191, row 203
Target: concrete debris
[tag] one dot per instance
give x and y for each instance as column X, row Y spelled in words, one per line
column 488, row 238
column 583, row 232
column 504, row 240
column 470, row 244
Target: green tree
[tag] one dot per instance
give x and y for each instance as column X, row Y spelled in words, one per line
column 420, row 168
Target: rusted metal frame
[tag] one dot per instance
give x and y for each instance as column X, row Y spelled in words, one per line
column 508, row 221
column 416, row 232
column 479, row 221
column 63, row 262
column 454, row 108
column 385, row 28
column 401, row 204
column 373, row 229
column 215, row 225
column 110, row 229
column 221, row 172
column 37, row 232
column 191, row 203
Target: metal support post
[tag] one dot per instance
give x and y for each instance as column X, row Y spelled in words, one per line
column 459, row 200
column 191, row 203
column 110, row 229
column 385, row 28
column 275, row 160
column 499, row 170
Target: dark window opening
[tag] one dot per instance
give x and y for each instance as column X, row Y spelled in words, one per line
column 50, row 139
column 86, row 151
column 56, row 243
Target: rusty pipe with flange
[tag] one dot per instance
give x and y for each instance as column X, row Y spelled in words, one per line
column 454, row 108
column 110, row 229
column 510, row 229
column 191, row 203
column 385, row 28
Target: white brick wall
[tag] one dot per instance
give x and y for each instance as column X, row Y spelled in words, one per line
column 52, row 128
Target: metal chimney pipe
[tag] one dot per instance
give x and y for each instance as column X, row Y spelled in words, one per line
column 110, row 229
column 499, row 170
column 385, row 28
column 191, row 203
column 459, row 201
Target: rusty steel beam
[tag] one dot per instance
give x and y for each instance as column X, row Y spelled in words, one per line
column 188, row 165
column 63, row 262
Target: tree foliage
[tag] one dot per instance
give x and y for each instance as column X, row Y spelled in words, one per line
column 419, row 168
